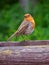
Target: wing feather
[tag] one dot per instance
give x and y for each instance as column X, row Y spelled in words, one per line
column 22, row 28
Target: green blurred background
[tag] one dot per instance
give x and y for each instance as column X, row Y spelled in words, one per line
column 12, row 14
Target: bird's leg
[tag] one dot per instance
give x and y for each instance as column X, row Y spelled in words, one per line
column 23, row 38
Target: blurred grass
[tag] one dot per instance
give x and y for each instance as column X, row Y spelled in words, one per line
column 12, row 15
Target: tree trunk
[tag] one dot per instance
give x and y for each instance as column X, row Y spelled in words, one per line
column 28, row 5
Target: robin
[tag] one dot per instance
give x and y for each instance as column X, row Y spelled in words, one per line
column 26, row 27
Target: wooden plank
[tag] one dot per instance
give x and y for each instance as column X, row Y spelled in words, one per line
column 25, row 43
column 24, row 55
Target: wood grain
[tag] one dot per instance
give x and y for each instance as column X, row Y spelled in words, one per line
column 25, row 43
column 11, row 53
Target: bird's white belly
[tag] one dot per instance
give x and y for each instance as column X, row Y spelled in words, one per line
column 29, row 30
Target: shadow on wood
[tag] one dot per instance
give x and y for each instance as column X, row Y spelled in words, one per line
column 24, row 53
column 25, row 43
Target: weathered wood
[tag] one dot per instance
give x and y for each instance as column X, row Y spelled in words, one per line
column 11, row 53
column 25, row 43
column 24, row 55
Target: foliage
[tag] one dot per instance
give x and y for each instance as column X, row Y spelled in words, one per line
column 12, row 15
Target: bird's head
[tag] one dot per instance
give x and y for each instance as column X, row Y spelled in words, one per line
column 28, row 17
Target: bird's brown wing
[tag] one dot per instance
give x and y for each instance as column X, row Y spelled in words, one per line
column 22, row 28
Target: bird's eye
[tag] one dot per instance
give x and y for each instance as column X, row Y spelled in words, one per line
column 28, row 15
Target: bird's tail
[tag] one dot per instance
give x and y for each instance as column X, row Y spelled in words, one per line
column 12, row 36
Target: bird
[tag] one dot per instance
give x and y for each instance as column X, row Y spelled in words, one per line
column 26, row 27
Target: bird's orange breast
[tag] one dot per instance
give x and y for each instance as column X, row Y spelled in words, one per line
column 30, row 19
